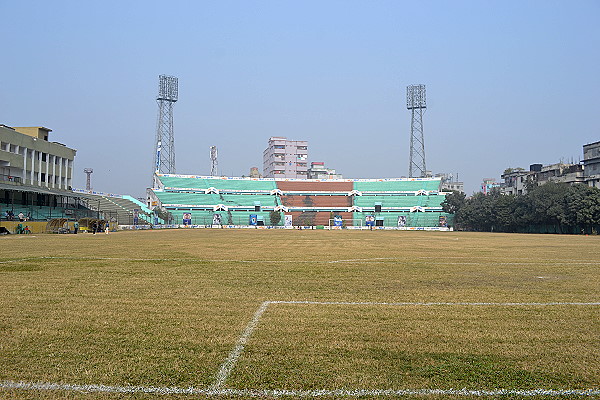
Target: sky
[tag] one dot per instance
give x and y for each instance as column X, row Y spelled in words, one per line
column 509, row 83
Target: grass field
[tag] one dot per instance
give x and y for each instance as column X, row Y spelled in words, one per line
column 276, row 313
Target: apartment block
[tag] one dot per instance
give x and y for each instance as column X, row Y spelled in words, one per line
column 285, row 158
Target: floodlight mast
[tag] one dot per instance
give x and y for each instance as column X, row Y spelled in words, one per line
column 88, row 183
column 415, row 101
column 214, row 163
column 164, row 154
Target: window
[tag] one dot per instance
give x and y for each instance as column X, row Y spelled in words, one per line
column 44, row 155
column 279, row 146
column 301, row 147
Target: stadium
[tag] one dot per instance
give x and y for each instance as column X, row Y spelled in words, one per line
column 195, row 294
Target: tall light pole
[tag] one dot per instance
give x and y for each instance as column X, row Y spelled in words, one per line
column 415, row 101
column 88, row 183
column 214, row 163
column 164, row 154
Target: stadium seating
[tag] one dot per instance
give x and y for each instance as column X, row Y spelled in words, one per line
column 307, row 201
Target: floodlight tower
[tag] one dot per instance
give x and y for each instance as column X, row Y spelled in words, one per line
column 213, row 161
column 88, row 183
column 164, row 154
column 415, row 101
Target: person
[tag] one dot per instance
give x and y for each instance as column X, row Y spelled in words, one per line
column 7, row 215
column 76, row 227
column 21, row 216
column 94, row 227
column 106, row 228
column 27, row 231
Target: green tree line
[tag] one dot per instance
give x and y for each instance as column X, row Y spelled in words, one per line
column 549, row 208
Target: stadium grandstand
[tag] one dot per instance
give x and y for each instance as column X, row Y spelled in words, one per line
column 387, row 203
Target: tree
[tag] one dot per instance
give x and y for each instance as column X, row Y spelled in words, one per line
column 583, row 207
column 453, row 202
column 548, row 204
column 275, row 217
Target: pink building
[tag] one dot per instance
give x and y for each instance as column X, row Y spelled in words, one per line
column 285, row 158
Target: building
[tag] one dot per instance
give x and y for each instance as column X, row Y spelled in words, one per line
column 518, row 180
column 488, row 185
column 591, row 164
column 319, row 171
column 560, row 172
column 254, row 173
column 450, row 183
column 285, row 158
column 28, row 157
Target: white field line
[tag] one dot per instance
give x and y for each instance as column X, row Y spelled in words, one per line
column 297, row 393
column 226, row 368
column 235, row 354
column 375, row 303
column 353, row 260
column 230, row 362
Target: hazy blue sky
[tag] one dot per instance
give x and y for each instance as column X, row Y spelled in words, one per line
column 509, row 83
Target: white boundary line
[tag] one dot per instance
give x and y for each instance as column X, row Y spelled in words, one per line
column 230, row 362
column 296, row 393
column 352, row 260
column 227, row 367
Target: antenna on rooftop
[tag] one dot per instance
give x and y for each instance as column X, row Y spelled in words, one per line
column 214, row 163
column 88, row 183
column 415, row 101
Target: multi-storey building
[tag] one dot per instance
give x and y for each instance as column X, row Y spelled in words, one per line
column 285, row 158
column 27, row 157
column 451, row 183
column 591, row 164
column 488, row 185
column 518, row 180
column 319, row 171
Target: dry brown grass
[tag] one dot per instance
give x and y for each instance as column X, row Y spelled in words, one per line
column 164, row 308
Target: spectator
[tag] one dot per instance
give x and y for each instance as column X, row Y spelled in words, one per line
column 21, row 217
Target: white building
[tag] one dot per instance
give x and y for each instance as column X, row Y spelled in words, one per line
column 591, row 164
column 285, row 158
column 319, row 171
column 27, row 157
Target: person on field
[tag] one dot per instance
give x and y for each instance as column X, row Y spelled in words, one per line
column 76, row 227
column 94, row 227
column 106, row 228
